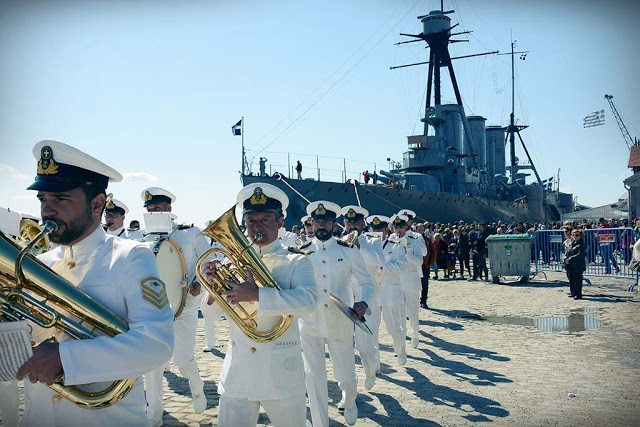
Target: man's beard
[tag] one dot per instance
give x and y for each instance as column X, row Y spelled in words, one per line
column 322, row 234
column 72, row 231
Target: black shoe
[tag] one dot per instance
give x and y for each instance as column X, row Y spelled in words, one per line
column 578, row 297
column 571, row 295
column 424, row 305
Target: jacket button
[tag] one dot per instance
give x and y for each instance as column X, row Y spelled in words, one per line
column 325, row 291
column 324, row 276
column 326, row 306
column 71, row 264
column 324, row 262
column 253, row 349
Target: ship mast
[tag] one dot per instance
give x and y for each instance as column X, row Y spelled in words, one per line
column 437, row 34
column 514, row 129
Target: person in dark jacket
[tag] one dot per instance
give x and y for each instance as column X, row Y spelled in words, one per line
column 576, row 263
column 463, row 252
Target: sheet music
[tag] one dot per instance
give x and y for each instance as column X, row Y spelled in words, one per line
column 15, row 348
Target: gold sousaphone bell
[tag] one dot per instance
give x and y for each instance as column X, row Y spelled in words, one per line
column 239, row 252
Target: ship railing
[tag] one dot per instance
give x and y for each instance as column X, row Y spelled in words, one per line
column 315, row 167
column 609, row 252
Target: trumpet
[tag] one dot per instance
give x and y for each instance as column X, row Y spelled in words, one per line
column 24, row 279
column 238, row 250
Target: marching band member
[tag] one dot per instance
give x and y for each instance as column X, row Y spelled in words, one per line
column 371, row 251
column 308, row 228
column 114, row 213
column 335, row 263
column 271, row 373
column 120, row 274
column 411, row 283
column 391, row 294
column 193, row 246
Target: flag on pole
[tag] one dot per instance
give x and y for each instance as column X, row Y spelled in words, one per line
column 547, row 184
column 594, row 119
column 237, row 128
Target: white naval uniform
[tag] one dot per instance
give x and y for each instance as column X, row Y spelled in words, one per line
column 123, row 233
column 367, row 345
column 287, row 237
column 184, row 327
column 270, row 374
column 111, row 271
column 391, row 295
column 334, row 266
column 411, row 283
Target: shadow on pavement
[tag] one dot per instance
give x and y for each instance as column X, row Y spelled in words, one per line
column 462, row 371
column 367, row 408
column 446, row 325
column 442, row 395
column 463, row 350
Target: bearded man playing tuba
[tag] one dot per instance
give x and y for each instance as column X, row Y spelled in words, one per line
column 119, row 274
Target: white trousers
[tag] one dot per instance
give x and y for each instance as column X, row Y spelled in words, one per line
column 9, row 403
column 210, row 313
column 234, row 412
column 315, row 369
column 184, row 330
column 367, row 345
column 412, row 310
column 393, row 316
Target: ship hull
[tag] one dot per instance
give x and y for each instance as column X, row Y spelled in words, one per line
column 432, row 207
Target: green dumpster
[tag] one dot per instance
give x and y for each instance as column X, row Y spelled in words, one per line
column 510, row 255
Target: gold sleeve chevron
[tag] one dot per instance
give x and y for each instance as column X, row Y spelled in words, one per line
column 153, row 290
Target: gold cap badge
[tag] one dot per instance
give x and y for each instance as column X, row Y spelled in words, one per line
column 351, row 213
column 258, row 197
column 46, row 165
column 147, row 196
column 376, row 221
column 320, row 210
column 110, row 204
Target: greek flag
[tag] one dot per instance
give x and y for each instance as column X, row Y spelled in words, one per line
column 594, row 119
column 547, row 184
column 237, row 128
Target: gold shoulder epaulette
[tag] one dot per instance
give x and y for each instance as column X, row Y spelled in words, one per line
column 395, row 241
column 299, row 250
column 185, row 226
column 412, row 236
column 348, row 245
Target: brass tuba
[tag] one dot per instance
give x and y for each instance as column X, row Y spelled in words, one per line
column 29, row 230
column 242, row 256
column 24, row 279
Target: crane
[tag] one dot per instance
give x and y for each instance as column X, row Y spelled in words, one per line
column 625, row 133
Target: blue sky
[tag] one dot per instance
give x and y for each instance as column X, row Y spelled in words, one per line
column 153, row 88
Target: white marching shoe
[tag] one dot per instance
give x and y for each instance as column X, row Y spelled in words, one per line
column 199, row 403
column 351, row 415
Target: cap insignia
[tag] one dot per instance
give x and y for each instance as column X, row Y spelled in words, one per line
column 397, row 220
column 110, row 204
column 46, row 165
column 320, row 210
column 258, row 197
column 147, row 196
column 376, row 221
column 308, row 222
column 351, row 213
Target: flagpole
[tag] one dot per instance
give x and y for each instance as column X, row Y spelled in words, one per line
column 242, row 135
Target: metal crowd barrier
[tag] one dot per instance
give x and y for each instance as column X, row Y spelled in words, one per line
column 609, row 252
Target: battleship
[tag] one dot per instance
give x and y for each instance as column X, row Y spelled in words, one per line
column 455, row 170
